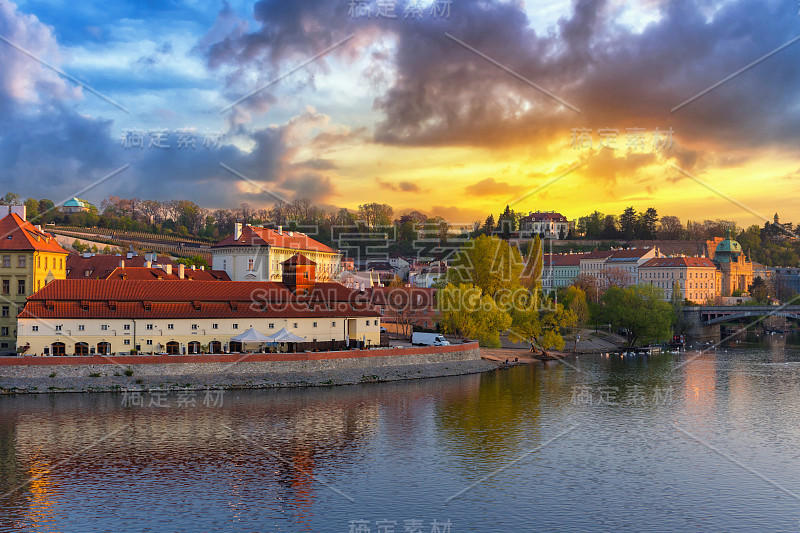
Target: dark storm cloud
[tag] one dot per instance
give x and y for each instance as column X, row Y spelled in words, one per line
column 444, row 94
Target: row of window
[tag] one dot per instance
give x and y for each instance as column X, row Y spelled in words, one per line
column 150, row 327
column 22, row 262
column 671, row 275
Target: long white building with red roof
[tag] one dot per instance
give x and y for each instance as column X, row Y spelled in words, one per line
column 254, row 253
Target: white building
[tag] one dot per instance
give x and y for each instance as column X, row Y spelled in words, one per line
column 560, row 270
column 550, row 224
column 254, row 253
column 622, row 267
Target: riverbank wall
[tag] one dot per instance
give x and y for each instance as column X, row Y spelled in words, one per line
column 231, row 371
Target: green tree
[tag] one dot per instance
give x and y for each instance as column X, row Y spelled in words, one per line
column 464, row 310
column 79, row 247
column 627, row 223
column 574, row 299
column 532, row 272
column 541, row 327
column 641, row 310
column 759, row 290
column 489, row 263
column 31, row 208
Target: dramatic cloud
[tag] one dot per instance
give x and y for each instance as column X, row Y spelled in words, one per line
column 491, row 187
column 399, row 186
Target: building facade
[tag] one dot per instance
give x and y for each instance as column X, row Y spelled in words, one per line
column 254, row 253
column 550, row 225
column 560, row 270
column 29, row 260
column 697, row 278
column 84, row 317
column 736, row 270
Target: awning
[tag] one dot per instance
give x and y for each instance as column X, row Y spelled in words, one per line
column 251, row 335
column 284, row 336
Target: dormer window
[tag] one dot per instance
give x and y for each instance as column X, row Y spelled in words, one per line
column 148, row 306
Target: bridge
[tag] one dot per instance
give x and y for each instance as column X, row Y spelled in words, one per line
column 704, row 320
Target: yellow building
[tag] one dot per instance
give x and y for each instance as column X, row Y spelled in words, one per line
column 697, row 278
column 29, row 260
column 92, row 316
column 736, row 270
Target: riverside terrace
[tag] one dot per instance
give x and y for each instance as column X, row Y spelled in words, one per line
column 105, row 317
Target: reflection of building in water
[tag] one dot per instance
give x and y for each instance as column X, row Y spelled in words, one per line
column 701, row 384
column 269, row 444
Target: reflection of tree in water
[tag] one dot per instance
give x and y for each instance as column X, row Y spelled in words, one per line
column 492, row 416
column 10, row 474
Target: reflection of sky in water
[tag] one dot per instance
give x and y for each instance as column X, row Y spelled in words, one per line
column 292, row 460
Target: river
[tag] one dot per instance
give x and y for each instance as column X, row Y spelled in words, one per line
column 696, row 441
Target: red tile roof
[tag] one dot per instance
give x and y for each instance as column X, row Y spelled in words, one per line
column 562, row 259
column 144, row 273
column 630, row 253
column 679, row 262
column 252, row 236
column 90, row 298
column 538, row 217
column 101, row 266
column 299, row 259
column 20, row 235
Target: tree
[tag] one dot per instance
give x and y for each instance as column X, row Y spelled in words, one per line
column 574, row 299
column 617, row 277
column 79, row 247
column 11, row 198
column 31, row 208
column 541, row 327
column 647, row 224
column 641, row 310
column 627, row 223
column 759, row 290
column 590, row 285
column 670, row 228
column 375, row 215
column 532, row 273
column 489, row 263
column 464, row 310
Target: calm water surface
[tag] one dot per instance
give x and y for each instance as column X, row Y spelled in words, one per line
column 664, row 443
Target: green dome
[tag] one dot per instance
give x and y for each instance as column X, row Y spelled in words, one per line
column 73, row 202
column 729, row 246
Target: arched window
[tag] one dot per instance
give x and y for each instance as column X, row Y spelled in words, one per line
column 58, row 348
column 173, row 348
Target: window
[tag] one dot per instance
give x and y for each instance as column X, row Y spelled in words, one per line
column 45, row 263
column 126, row 327
column 6, row 261
column 375, row 323
column 6, row 286
column 250, row 264
column 295, row 325
column 214, row 326
column 149, row 326
column 315, row 324
column 170, row 326
column 81, row 327
column 21, row 261
column 39, row 263
column 126, row 342
column 20, row 286
column 235, row 326
column 5, row 310
column 34, row 328
column 271, row 325
column 368, row 322
column 224, row 264
column 149, row 342
column 4, row 332
column 333, row 324
column 194, row 326
column 104, row 327
column 58, row 328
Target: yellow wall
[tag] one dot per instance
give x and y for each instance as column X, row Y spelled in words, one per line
column 35, row 276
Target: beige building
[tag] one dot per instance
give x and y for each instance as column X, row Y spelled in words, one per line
column 29, row 260
column 696, row 277
column 82, row 317
column 254, row 253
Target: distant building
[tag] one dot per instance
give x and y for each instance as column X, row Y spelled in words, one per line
column 429, row 275
column 254, row 253
column 697, row 278
column 74, row 205
column 550, row 225
column 100, row 266
column 621, row 268
column 737, row 271
column 29, row 260
column 560, row 270
column 591, row 264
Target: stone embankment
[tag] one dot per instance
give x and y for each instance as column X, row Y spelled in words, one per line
column 231, row 371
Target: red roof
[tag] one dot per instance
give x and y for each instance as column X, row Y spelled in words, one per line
column 598, row 254
column 562, row 259
column 20, row 235
column 299, row 259
column 101, row 266
column 538, row 217
column 91, row 298
column 630, row 253
column 679, row 262
column 144, row 273
column 252, row 236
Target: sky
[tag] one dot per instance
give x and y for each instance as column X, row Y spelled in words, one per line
column 453, row 108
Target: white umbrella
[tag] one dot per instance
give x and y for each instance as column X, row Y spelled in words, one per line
column 284, row 336
column 251, row 335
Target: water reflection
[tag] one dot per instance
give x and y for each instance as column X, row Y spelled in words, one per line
column 270, row 460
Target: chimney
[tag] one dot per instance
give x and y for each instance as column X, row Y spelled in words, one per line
column 122, row 264
column 181, row 270
column 148, row 264
column 193, row 267
column 168, row 269
column 237, row 230
column 202, row 267
column 280, row 230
